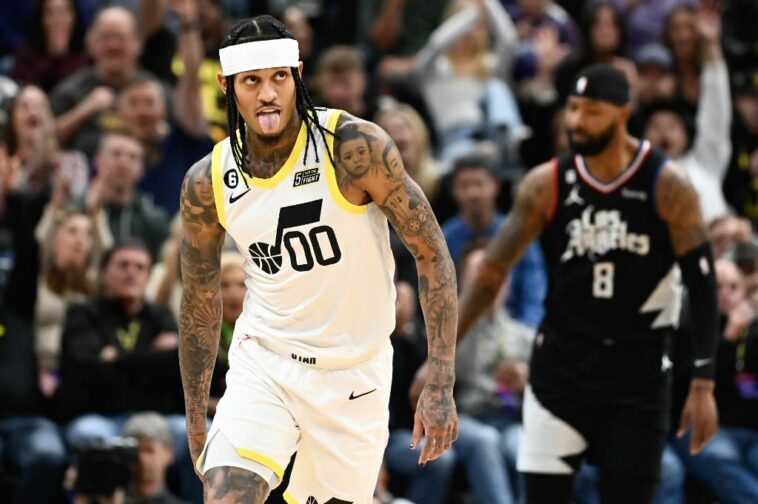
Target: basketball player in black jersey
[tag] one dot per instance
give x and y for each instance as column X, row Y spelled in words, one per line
column 620, row 228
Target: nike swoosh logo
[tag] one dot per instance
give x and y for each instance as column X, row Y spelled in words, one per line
column 233, row 198
column 353, row 396
column 702, row 362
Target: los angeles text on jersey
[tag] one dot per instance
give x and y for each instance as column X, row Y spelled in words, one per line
column 599, row 232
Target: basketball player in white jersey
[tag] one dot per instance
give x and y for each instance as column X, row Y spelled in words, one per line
column 306, row 194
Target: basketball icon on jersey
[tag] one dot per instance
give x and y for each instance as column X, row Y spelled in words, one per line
column 320, row 246
column 266, row 257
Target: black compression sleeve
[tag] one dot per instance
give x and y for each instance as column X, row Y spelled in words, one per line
column 699, row 277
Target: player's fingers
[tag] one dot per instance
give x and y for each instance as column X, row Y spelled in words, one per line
column 418, row 431
column 427, row 449
column 698, row 438
column 449, row 437
column 683, row 424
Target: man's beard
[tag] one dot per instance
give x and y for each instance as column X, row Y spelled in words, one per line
column 595, row 145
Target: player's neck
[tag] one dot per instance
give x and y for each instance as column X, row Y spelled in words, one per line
column 614, row 160
column 268, row 155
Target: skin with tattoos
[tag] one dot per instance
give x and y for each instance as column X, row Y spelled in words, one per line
column 369, row 168
column 200, row 318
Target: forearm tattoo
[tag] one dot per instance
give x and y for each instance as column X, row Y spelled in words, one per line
column 200, row 314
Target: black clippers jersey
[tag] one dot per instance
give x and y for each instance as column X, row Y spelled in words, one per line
column 612, row 271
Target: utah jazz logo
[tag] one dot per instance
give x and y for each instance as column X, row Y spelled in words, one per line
column 304, row 251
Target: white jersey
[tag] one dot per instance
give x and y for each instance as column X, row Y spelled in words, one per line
column 319, row 269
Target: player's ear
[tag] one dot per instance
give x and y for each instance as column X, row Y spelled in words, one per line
column 221, row 81
column 624, row 113
column 300, row 69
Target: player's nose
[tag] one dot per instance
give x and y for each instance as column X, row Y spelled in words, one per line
column 266, row 92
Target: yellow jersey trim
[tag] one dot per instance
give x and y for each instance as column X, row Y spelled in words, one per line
column 331, row 174
column 216, row 182
column 289, row 499
column 261, row 459
column 297, row 150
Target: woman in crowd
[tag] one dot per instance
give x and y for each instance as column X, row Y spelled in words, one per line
column 54, row 44
column 459, row 66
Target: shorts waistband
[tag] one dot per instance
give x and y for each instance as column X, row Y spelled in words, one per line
column 302, row 357
column 654, row 337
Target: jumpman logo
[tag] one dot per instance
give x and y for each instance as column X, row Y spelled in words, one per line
column 573, row 197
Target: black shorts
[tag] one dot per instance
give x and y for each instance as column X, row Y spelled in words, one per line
column 608, row 400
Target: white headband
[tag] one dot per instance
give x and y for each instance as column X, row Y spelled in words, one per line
column 259, row 55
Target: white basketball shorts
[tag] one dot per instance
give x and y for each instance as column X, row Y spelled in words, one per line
column 335, row 419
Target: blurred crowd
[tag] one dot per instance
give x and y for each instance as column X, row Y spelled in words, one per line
column 104, row 105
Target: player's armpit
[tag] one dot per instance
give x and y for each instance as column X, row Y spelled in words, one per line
column 678, row 205
column 532, row 210
column 200, row 314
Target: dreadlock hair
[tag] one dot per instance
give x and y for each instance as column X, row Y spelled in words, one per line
column 262, row 28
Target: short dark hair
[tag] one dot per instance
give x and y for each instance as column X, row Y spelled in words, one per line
column 679, row 108
column 126, row 243
column 475, row 161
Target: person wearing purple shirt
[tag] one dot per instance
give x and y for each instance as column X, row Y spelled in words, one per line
column 645, row 20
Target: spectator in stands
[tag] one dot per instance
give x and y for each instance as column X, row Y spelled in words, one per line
column 120, row 165
column 119, row 356
column 741, row 185
column 34, row 153
column 396, row 30
column 147, row 484
column 702, row 149
column 83, row 103
column 71, row 244
column 602, row 41
column 300, row 27
column 408, row 131
column 119, row 352
column 31, row 447
column 656, row 79
column 170, row 147
column 492, row 367
column 684, row 37
column 53, row 47
column 212, row 27
column 343, row 82
column 645, row 20
column 475, row 189
column 458, row 65
column 165, row 284
column 535, row 19
column 726, row 232
column 728, row 465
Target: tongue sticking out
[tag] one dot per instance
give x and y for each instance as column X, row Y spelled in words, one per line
column 269, row 122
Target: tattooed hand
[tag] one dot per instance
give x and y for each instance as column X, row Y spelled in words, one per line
column 435, row 415
column 369, row 168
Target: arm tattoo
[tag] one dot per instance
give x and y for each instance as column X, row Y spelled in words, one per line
column 200, row 314
column 242, row 486
column 368, row 159
column 678, row 205
column 522, row 225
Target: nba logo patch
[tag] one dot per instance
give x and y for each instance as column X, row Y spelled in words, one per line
column 581, row 85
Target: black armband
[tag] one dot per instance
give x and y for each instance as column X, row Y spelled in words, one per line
column 698, row 275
